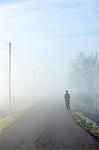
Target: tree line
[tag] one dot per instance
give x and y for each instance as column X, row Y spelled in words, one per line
column 85, row 78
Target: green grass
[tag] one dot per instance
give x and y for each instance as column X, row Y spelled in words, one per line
column 86, row 123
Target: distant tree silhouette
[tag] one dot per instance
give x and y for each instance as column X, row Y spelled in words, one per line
column 85, row 73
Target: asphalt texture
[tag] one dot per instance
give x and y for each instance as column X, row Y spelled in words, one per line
column 47, row 128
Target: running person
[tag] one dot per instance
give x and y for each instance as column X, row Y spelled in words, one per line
column 67, row 100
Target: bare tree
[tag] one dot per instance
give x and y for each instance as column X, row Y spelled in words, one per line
column 85, row 72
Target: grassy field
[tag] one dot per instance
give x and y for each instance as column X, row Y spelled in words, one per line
column 87, row 123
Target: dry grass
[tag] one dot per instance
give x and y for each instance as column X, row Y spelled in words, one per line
column 11, row 118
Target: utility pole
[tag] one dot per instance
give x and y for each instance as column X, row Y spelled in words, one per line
column 10, row 76
column 34, row 79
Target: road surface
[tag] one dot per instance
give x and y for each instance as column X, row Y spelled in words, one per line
column 47, row 128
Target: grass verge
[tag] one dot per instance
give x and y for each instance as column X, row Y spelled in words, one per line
column 86, row 123
column 11, row 118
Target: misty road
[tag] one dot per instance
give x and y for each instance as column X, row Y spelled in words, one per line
column 47, row 128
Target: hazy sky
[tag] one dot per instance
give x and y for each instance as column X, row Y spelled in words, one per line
column 45, row 35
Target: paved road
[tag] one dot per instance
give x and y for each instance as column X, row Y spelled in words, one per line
column 47, row 129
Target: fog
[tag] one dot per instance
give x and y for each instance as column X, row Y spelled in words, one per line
column 45, row 38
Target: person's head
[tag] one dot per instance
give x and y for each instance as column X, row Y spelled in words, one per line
column 66, row 91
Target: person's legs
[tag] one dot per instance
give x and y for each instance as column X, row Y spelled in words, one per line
column 67, row 106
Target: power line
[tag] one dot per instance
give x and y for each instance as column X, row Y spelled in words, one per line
column 3, row 48
column 3, row 41
column 22, row 64
column 17, row 58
